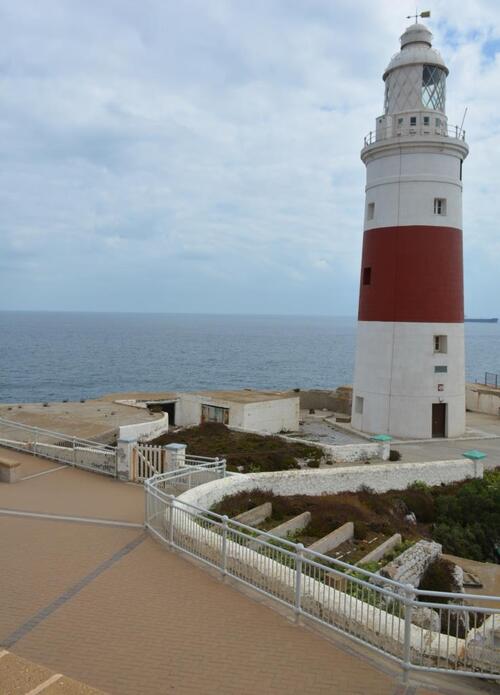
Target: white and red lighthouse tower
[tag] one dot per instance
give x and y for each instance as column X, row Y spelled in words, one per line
column 409, row 375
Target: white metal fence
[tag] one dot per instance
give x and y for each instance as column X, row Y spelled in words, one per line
column 149, row 460
column 81, row 453
column 381, row 613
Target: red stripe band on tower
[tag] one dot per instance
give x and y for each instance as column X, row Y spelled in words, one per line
column 412, row 273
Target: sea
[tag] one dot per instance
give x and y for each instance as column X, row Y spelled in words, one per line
column 51, row 356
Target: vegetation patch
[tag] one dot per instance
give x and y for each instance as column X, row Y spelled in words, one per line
column 464, row 517
column 245, row 452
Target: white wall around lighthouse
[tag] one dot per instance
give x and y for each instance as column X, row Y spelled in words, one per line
column 396, row 378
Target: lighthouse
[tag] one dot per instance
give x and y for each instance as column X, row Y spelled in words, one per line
column 409, row 373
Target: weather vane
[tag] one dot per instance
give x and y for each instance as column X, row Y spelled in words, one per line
column 423, row 15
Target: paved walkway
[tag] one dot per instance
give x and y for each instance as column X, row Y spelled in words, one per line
column 107, row 605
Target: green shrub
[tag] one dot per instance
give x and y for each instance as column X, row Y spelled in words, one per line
column 394, row 455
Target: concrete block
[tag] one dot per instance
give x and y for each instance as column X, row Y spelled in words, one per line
column 256, row 515
column 175, row 456
column 333, row 539
column 10, row 471
column 124, row 454
column 381, row 550
column 298, row 523
column 409, row 567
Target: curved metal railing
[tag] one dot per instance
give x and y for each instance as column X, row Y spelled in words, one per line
column 395, row 132
column 421, row 630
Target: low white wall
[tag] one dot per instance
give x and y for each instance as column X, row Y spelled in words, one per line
column 479, row 399
column 145, row 430
column 321, row 481
column 340, row 453
column 272, row 416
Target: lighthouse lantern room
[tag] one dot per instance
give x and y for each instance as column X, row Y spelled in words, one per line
column 409, row 373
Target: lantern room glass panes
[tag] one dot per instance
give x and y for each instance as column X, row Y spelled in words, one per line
column 433, row 87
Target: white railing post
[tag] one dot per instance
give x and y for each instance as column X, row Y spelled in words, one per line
column 146, row 503
column 74, row 451
column 225, row 519
column 298, row 580
column 409, row 596
column 171, row 520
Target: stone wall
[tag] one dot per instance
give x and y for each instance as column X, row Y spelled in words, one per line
column 319, row 481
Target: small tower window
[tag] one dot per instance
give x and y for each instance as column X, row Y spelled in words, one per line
column 440, row 369
column 461, row 164
column 441, row 344
column 427, row 120
column 370, row 213
column 401, row 121
column 413, row 120
column 438, row 123
column 440, row 206
column 358, row 405
column 367, row 276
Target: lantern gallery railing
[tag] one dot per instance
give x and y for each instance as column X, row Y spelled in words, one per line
column 395, row 131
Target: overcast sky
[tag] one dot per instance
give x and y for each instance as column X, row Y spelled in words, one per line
column 203, row 155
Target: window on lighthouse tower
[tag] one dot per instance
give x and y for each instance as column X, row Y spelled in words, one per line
column 440, row 206
column 433, row 87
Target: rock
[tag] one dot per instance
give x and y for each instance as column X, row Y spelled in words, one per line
column 458, row 579
column 411, row 519
column 483, row 643
column 427, row 618
column 409, row 567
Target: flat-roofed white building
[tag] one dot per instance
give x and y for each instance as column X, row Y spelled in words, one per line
column 263, row 411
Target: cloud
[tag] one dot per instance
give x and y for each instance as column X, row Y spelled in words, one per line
column 205, row 156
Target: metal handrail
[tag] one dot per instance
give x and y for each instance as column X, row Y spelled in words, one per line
column 56, row 435
column 214, row 539
column 394, row 132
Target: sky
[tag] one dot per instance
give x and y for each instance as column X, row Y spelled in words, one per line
column 194, row 156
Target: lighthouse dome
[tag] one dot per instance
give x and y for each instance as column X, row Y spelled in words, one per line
column 416, row 49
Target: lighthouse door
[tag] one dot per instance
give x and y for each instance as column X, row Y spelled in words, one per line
column 439, row 419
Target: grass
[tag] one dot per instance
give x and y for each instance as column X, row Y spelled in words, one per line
column 245, row 452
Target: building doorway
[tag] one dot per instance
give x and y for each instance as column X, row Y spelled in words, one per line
column 164, row 407
column 439, row 419
column 214, row 413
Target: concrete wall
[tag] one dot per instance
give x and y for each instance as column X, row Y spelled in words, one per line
column 272, row 416
column 394, row 374
column 480, row 399
column 145, row 430
column 338, row 400
column 348, row 453
column 323, row 481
